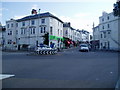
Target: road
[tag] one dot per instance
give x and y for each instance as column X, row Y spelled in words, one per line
column 67, row 69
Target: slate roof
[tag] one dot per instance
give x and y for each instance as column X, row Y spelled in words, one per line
column 66, row 25
column 47, row 14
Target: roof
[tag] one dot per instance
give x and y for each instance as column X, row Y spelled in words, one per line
column 72, row 28
column 84, row 31
column 66, row 24
column 47, row 14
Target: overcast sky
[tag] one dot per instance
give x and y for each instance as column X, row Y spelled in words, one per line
column 81, row 13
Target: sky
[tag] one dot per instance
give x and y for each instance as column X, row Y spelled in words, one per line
column 80, row 13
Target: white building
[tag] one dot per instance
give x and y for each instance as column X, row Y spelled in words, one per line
column 85, row 35
column 96, row 33
column 29, row 31
column 10, row 35
column 96, row 38
column 108, row 32
column 109, row 27
column 78, row 35
column 67, row 30
column 71, row 33
column 2, row 36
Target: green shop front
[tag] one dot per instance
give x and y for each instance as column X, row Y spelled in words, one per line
column 58, row 41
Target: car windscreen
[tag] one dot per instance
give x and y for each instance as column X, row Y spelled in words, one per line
column 83, row 46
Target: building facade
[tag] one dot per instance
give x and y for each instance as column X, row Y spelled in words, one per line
column 71, row 34
column 95, row 43
column 2, row 36
column 108, row 32
column 44, row 28
column 29, row 31
column 85, row 35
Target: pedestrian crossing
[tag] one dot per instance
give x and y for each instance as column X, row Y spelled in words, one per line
column 4, row 76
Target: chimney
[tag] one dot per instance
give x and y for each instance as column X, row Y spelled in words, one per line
column 33, row 11
column 69, row 24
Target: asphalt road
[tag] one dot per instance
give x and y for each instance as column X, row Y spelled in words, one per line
column 67, row 69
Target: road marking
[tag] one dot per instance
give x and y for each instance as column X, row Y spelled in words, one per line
column 4, row 76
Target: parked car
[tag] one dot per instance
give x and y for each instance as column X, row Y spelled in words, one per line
column 84, row 47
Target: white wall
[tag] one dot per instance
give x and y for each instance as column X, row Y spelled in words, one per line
column 112, row 38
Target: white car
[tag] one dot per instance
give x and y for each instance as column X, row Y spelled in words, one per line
column 84, row 47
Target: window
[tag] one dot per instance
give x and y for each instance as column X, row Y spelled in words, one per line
column 41, row 30
column 10, row 33
column 12, row 25
column 42, row 20
column 16, row 24
column 16, row 31
column 9, row 41
column 101, row 45
column 61, row 32
column 66, row 32
column 101, row 35
column 44, row 29
column 108, row 17
column 32, row 22
column 102, row 19
column 23, row 23
column 33, row 30
column 51, row 30
column 58, row 32
column 75, row 33
column 7, row 25
column 21, row 31
column 105, row 44
column 109, row 32
column 104, row 34
column 108, row 26
column 103, row 27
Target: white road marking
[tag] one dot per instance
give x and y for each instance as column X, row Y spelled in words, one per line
column 4, row 76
